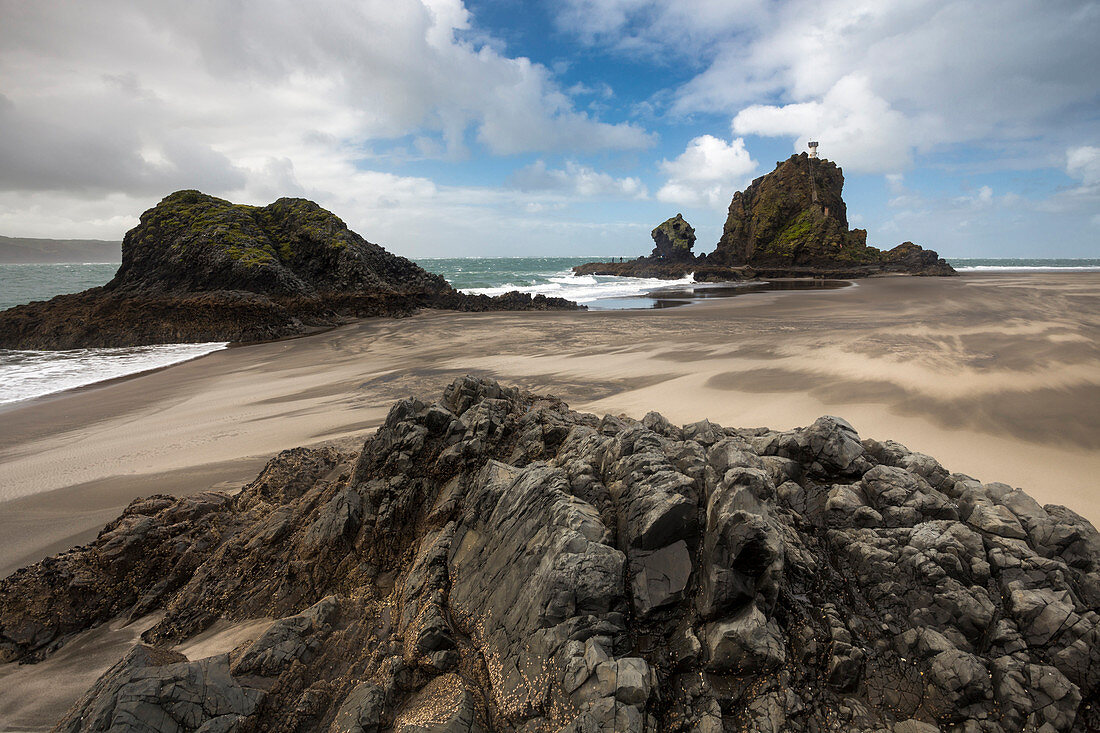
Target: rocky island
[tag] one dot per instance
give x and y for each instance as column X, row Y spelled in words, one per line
column 494, row 561
column 791, row 222
column 199, row 268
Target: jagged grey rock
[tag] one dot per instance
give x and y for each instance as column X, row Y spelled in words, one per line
column 162, row 692
column 361, row 711
column 495, row 561
column 288, row 639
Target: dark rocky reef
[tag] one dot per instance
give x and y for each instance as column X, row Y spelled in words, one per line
column 494, row 561
column 199, row 268
column 649, row 267
column 792, row 222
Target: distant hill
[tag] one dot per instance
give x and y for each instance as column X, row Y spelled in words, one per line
column 26, row 250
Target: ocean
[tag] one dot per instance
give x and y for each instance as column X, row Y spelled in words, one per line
column 28, row 374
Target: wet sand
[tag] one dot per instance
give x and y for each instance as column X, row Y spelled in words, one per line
column 997, row 376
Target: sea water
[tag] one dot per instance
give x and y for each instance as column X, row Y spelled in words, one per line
column 1025, row 265
column 549, row 276
column 23, row 283
column 27, row 374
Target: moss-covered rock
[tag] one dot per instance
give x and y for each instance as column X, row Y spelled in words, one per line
column 199, row 268
column 191, row 242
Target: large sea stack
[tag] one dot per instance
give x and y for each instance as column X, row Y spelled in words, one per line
column 494, row 561
column 796, row 217
column 792, row 222
column 199, row 268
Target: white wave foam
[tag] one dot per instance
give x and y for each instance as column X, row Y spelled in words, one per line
column 1028, row 268
column 27, row 374
column 586, row 288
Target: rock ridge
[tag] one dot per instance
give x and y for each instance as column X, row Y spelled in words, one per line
column 494, row 561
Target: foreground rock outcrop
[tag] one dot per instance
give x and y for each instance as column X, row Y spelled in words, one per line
column 493, row 561
column 199, row 268
column 792, row 222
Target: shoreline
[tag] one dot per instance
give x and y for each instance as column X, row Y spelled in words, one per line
column 752, row 287
column 990, row 373
column 657, row 296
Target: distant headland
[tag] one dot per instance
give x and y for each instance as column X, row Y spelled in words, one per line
column 199, row 268
column 38, row 251
column 791, row 222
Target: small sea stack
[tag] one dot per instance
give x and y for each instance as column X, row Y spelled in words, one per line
column 673, row 240
column 199, row 268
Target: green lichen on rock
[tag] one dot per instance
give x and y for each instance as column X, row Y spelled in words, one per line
column 298, row 225
column 797, row 231
column 193, row 221
column 673, row 240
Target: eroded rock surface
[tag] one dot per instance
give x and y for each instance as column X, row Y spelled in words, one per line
column 494, row 561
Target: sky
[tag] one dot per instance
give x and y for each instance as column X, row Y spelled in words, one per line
column 443, row 128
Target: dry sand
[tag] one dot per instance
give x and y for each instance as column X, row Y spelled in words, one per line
column 997, row 376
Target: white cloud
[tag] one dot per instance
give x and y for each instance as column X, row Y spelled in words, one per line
column 1083, row 163
column 914, row 75
column 409, row 215
column 576, row 180
column 678, row 29
column 251, row 99
column 982, row 198
column 601, row 89
column 853, row 125
column 707, row 173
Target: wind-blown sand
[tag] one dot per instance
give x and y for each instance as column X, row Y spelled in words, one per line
column 997, row 376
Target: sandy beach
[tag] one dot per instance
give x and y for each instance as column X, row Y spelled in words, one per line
column 997, row 376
